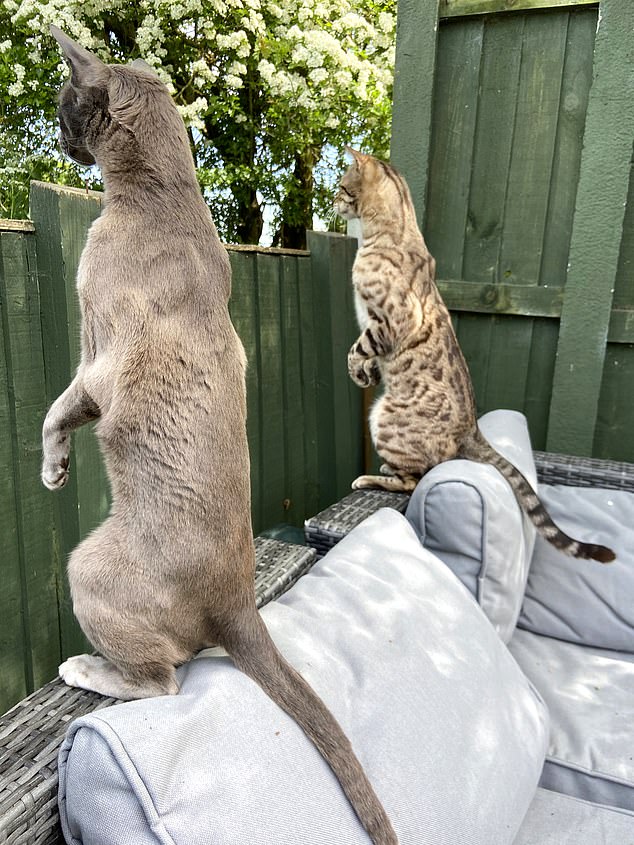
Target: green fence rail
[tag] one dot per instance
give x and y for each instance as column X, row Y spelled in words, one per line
column 295, row 315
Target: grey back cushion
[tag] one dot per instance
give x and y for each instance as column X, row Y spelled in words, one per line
column 583, row 601
column 451, row 733
column 467, row 515
column 556, row 819
column 590, row 697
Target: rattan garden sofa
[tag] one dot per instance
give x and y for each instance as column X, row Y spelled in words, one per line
column 572, row 629
column 31, row 733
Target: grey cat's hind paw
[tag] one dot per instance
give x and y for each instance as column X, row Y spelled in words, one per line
column 91, row 672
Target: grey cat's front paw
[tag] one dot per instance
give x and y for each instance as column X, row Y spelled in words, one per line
column 55, row 474
column 55, row 466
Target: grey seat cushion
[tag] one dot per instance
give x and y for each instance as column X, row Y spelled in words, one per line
column 451, row 733
column 556, row 819
column 467, row 515
column 582, row 601
column 590, row 696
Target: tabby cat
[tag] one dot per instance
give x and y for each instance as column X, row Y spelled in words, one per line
column 171, row 570
column 427, row 411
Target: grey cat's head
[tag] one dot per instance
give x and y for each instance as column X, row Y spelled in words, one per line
column 114, row 113
column 370, row 188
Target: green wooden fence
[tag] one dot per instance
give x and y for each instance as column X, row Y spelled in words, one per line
column 514, row 124
column 515, row 130
column 295, row 315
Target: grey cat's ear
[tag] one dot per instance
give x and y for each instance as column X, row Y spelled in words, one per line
column 86, row 68
column 139, row 64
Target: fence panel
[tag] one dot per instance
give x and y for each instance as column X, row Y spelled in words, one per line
column 294, row 313
column 509, row 189
column 29, row 617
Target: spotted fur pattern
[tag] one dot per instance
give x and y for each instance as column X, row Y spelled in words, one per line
column 426, row 413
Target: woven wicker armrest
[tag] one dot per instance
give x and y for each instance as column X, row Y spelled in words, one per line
column 32, row 731
column 324, row 530
column 583, row 472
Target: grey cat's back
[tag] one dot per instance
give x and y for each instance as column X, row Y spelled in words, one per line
column 177, row 358
column 171, row 570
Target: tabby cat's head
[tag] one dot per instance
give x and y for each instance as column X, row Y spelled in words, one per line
column 103, row 110
column 371, row 189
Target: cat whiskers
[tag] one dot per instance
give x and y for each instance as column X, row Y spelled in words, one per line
column 331, row 221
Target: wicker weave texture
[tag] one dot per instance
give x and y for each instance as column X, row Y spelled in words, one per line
column 32, row 731
column 325, row 529
column 583, row 472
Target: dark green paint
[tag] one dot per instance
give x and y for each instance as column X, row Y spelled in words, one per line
column 417, row 26
column 596, row 235
column 455, row 8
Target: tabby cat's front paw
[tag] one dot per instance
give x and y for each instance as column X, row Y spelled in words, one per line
column 363, row 371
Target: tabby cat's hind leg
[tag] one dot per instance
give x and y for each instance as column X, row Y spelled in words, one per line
column 394, row 483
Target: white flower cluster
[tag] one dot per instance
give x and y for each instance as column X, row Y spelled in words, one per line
column 318, row 55
column 332, row 51
column 16, row 88
column 192, row 112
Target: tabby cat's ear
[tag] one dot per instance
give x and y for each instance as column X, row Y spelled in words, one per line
column 357, row 157
column 85, row 67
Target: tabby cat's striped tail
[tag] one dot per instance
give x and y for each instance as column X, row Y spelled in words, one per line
column 477, row 448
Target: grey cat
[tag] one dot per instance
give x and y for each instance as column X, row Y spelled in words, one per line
column 427, row 413
column 171, row 570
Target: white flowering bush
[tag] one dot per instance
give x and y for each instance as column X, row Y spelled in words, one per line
column 270, row 91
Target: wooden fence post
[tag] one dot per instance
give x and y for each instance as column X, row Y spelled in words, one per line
column 596, row 235
column 416, row 38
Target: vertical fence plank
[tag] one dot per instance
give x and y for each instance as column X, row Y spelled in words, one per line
column 339, row 401
column 499, row 76
column 16, row 669
column 308, row 331
column 596, row 235
column 271, row 389
column 571, row 118
column 21, row 327
column 415, row 66
column 62, row 217
column 538, row 95
column 319, row 247
column 623, row 285
column 539, row 380
column 453, row 134
column 294, row 410
column 243, row 307
column 613, row 436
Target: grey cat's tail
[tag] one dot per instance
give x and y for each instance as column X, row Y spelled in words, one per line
column 256, row 655
column 477, row 448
